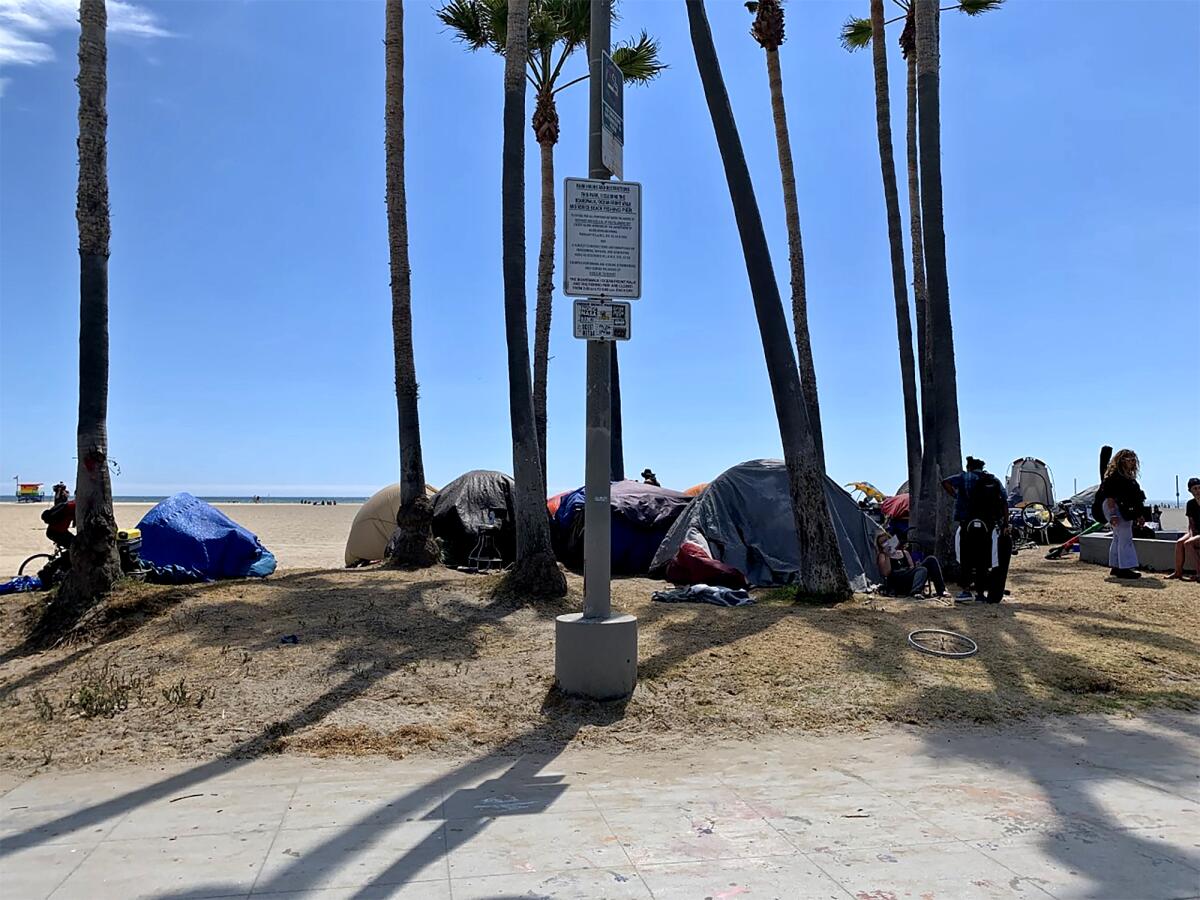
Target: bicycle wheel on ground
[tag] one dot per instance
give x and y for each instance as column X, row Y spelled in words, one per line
column 949, row 644
column 35, row 557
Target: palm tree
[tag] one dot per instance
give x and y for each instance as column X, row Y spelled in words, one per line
column 95, row 566
column 535, row 572
column 822, row 571
column 943, row 442
column 416, row 547
column 891, row 196
column 557, row 28
column 769, row 32
column 856, row 34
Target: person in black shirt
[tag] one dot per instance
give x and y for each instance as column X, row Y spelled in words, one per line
column 901, row 576
column 1189, row 544
column 1124, row 506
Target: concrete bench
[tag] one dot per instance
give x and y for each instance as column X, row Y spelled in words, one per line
column 1154, row 554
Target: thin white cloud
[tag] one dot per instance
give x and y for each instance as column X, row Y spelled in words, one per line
column 26, row 24
column 3, row 84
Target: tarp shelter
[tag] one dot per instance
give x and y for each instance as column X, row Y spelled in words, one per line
column 896, row 507
column 641, row 516
column 1030, row 481
column 461, row 510
column 185, row 531
column 744, row 520
column 373, row 525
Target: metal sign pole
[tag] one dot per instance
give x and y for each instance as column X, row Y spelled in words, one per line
column 597, row 543
column 595, row 653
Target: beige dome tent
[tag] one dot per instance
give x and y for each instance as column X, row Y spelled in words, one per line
column 374, row 524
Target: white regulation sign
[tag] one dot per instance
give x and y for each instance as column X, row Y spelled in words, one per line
column 601, row 320
column 602, row 253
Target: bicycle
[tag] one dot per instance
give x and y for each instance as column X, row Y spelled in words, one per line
column 50, row 558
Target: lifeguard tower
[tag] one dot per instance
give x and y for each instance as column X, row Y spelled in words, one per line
column 30, row 492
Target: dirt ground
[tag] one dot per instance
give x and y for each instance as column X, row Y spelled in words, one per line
column 376, row 661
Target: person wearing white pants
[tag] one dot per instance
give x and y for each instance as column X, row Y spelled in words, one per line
column 1124, row 504
column 1122, row 554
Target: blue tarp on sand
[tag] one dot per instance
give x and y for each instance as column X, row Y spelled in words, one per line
column 185, row 531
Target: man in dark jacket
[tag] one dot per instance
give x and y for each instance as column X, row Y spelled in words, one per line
column 60, row 517
column 982, row 539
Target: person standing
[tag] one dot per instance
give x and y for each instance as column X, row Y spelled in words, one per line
column 981, row 510
column 1124, row 505
column 648, row 477
column 1190, row 542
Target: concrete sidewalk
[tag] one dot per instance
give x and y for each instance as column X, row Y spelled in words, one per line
column 1092, row 807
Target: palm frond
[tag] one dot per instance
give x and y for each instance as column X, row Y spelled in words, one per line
column 467, row 19
column 638, row 59
column 573, row 18
column 495, row 15
column 856, row 34
column 978, row 7
column 543, row 29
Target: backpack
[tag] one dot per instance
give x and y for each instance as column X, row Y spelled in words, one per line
column 984, row 497
column 1098, row 509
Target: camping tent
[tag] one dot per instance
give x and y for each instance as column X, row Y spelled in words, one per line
column 1030, row 481
column 373, row 525
column 185, row 531
column 641, row 516
column 744, row 520
column 465, row 505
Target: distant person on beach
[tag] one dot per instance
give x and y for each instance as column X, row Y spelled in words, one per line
column 1124, row 506
column 982, row 542
column 60, row 517
column 649, row 477
column 1190, row 542
column 901, row 576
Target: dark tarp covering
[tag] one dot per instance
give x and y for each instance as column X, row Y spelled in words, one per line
column 460, row 509
column 641, row 516
column 744, row 519
column 186, row 532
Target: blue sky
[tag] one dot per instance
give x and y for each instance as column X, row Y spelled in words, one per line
column 250, row 310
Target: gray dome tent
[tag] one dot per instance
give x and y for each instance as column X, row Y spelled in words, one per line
column 744, row 519
column 1030, row 481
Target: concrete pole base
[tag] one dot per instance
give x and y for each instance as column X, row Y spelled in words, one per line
column 595, row 658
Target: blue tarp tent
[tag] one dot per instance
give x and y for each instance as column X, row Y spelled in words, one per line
column 641, row 517
column 185, row 531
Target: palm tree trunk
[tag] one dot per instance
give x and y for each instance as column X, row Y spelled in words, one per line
column 920, row 292
column 416, row 547
column 535, row 572
column 95, row 566
column 822, row 571
column 943, row 446
column 616, row 435
column 545, row 297
column 891, row 196
column 791, row 208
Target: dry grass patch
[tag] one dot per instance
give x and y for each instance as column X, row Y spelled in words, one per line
column 383, row 661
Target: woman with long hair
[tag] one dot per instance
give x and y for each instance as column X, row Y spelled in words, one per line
column 1124, row 505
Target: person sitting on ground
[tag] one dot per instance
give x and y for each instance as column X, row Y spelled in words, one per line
column 1124, row 505
column 650, row 478
column 60, row 517
column 982, row 542
column 1190, row 542
column 901, row 576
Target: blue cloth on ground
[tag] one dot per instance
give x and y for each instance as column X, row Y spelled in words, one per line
column 21, row 584
column 185, row 531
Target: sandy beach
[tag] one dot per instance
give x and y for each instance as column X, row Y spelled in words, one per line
column 300, row 536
